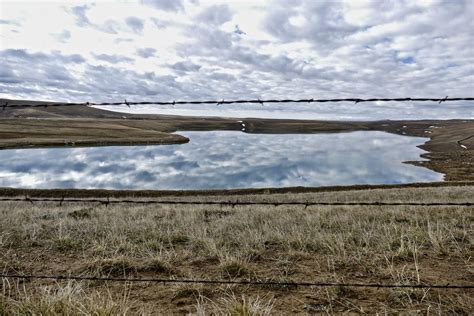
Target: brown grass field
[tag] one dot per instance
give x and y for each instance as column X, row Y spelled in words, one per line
column 355, row 244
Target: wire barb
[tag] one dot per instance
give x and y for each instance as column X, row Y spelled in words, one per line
column 27, row 199
column 443, row 100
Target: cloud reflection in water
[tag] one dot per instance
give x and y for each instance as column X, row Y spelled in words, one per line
column 223, row 159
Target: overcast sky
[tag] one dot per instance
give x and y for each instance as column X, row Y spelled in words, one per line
column 197, row 49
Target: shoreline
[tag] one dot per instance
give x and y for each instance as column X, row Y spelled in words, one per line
column 85, row 193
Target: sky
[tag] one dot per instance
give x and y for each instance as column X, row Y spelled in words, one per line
column 164, row 50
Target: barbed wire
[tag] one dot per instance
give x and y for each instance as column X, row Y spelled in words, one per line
column 223, row 101
column 228, row 203
column 238, row 282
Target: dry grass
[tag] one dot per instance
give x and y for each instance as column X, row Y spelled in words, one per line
column 71, row 298
column 22, row 133
column 399, row 244
column 236, row 306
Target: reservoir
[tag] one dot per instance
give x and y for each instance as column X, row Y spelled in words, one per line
column 223, row 160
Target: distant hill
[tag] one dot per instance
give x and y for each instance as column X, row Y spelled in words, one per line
column 70, row 111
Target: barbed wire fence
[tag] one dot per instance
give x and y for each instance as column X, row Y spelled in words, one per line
column 216, row 282
column 255, row 282
column 109, row 201
column 243, row 282
column 223, row 102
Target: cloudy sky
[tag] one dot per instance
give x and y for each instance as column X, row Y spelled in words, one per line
column 167, row 50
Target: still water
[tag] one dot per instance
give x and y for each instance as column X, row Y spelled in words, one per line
column 223, row 159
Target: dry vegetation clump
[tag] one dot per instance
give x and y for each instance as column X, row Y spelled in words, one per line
column 362, row 244
column 232, row 268
column 119, row 265
column 233, row 305
column 70, row 298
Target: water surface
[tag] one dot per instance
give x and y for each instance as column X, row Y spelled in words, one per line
column 223, row 159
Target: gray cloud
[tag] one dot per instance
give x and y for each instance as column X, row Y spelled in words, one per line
column 206, row 40
column 219, row 76
column 167, row 5
column 146, row 52
column 23, row 54
column 322, row 23
column 80, row 15
column 112, row 81
column 113, row 59
column 160, row 24
column 35, row 74
column 9, row 22
column 7, row 75
column 123, row 40
column 62, row 37
column 215, row 15
column 109, row 26
column 135, row 24
column 185, row 66
column 38, row 75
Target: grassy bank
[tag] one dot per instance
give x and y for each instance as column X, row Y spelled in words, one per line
column 363, row 244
